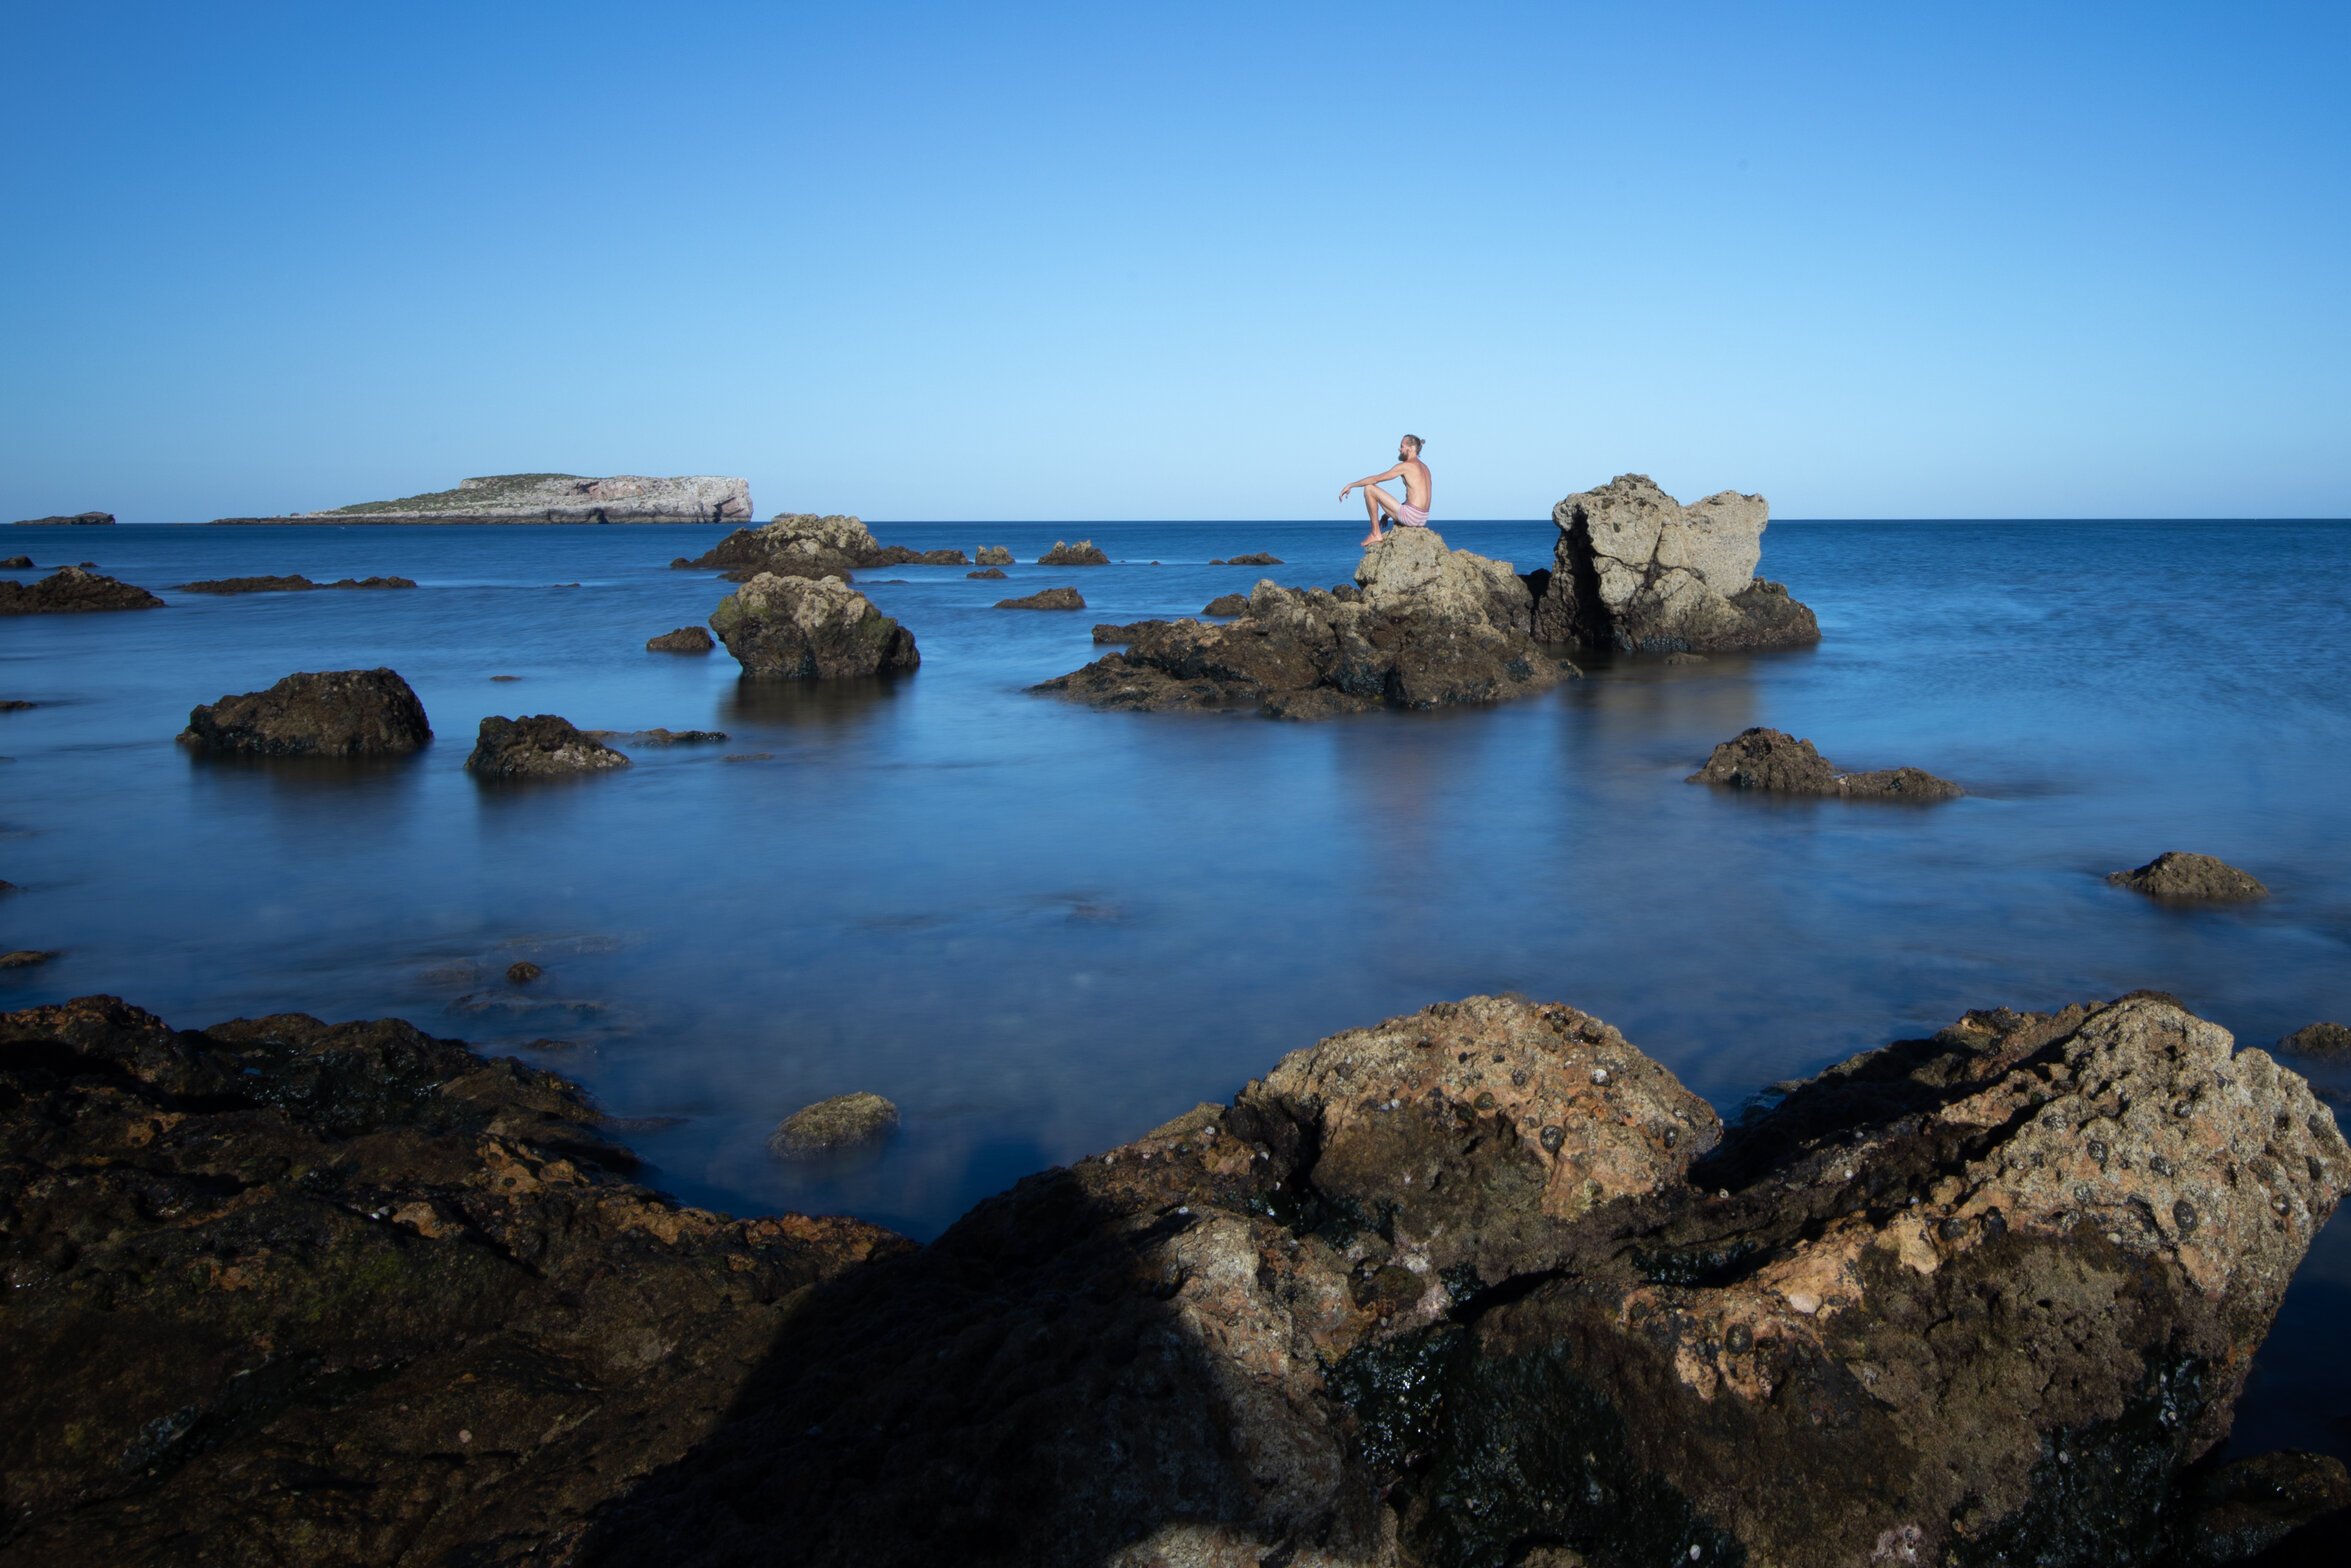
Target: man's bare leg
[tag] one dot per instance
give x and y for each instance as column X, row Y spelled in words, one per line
column 1374, row 500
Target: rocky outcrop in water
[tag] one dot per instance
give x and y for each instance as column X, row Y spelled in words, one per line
column 1484, row 1285
column 325, row 713
column 296, row 1293
column 995, row 555
column 1045, row 599
column 70, row 590
column 295, row 583
column 800, row 544
column 550, row 498
column 1083, row 553
column 991, row 573
column 838, row 1125
column 810, row 628
column 686, row 639
column 2319, row 1039
column 1227, row 604
column 1636, row 569
column 1261, row 558
column 1775, row 761
column 2177, row 878
column 1431, row 627
column 17, row 563
column 78, row 520
column 538, row 745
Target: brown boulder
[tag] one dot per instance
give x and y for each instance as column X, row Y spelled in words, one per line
column 797, row 628
column 72, row 590
column 1227, row 604
column 1773, row 760
column 325, row 713
column 17, row 563
column 995, row 555
column 2177, row 878
column 538, row 745
column 1635, row 568
column 686, row 639
column 1045, row 599
column 840, row 1124
column 2320, row 1039
column 1261, row 558
column 1083, row 553
column 990, row 573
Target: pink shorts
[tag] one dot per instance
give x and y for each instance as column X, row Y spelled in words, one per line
column 1411, row 516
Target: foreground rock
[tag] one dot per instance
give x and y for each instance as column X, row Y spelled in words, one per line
column 326, row 713
column 810, row 628
column 296, row 583
column 686, row 639
column 1636, row 569
column 1484, row 1280
column 838, row 1125
column 1430, row 627
column 1083, row 553
column 1775, row 761
column 70, row 590
column 78, row 520
column 2177, row 878
column 536, row 746
column 550, row 498
column 801, row 544
column 286, row 1292
column 1045, row 599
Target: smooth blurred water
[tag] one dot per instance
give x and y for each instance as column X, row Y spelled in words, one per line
column 1042, row 930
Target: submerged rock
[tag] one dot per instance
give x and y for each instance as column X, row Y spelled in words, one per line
column 538, row 745
column 801, row 544
column 1773, row 760
column 2177, row 878
column 1045, row 599
column 77, row 520
column 1431, row 627
column 686, row 639
column 1083, row 553
column 71, row 590
column 1485, row 1278
column 1226, row 604
column 995, row 555
column 991, row 573
column 1261, row 558
column 296, row 583
column 846, row 1121
column 801, row 628
column 522, row 972
column 27, row 957
column 289, row 1292
column 1636, row 569
column 324, row 713
column 2320, row 1039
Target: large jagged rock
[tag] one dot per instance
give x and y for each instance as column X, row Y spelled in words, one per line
column 550, row 498
column 810, row 628
column 1480, row 1286
column 539, row 745
column 1777, row 762
column 70, row 590
column 1636, row 569
column 325, row 713
column 285, row 1292
column 1428, row 627
column 801, row 544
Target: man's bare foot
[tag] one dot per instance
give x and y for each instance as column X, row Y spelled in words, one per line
column 1371, row 539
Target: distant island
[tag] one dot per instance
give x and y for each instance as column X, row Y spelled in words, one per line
column 549, row 498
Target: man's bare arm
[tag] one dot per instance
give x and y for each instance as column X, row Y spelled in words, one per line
column 1373, row 480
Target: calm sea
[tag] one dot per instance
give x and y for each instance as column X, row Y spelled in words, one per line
column 1043, row 930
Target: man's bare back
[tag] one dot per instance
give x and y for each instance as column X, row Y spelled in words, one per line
column 1413, row 510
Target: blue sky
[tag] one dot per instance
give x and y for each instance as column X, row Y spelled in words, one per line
column 1134, row 262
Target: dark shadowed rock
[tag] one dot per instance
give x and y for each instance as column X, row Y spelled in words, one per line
column 665, row 737
column 680, row 563
column 1111, row 632
column 522, row 972
column 990, row 573
column 995, row 555
column 2177, row 878
column 2320, row 1039
column 78, row 520
column 844, row 1122
column 686, row 639
column 283, row 1292
column 27, row 957
column 1045, row 599
column 325, row 713
column 1261, row 558
column 1227, row 604
column 1083, row 553
column 16, row 705
column 293, row 584
column 1773, row 760
column 800, row 628
column 2242, row 1509
column 70, row 590
column 1635, row 568
column 17, row 563
column 1431, row 628
column 538, row 745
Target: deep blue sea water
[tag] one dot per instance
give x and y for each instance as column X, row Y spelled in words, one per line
column 1042, row 930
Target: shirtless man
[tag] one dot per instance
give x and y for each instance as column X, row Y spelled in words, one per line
column 1413, row 510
